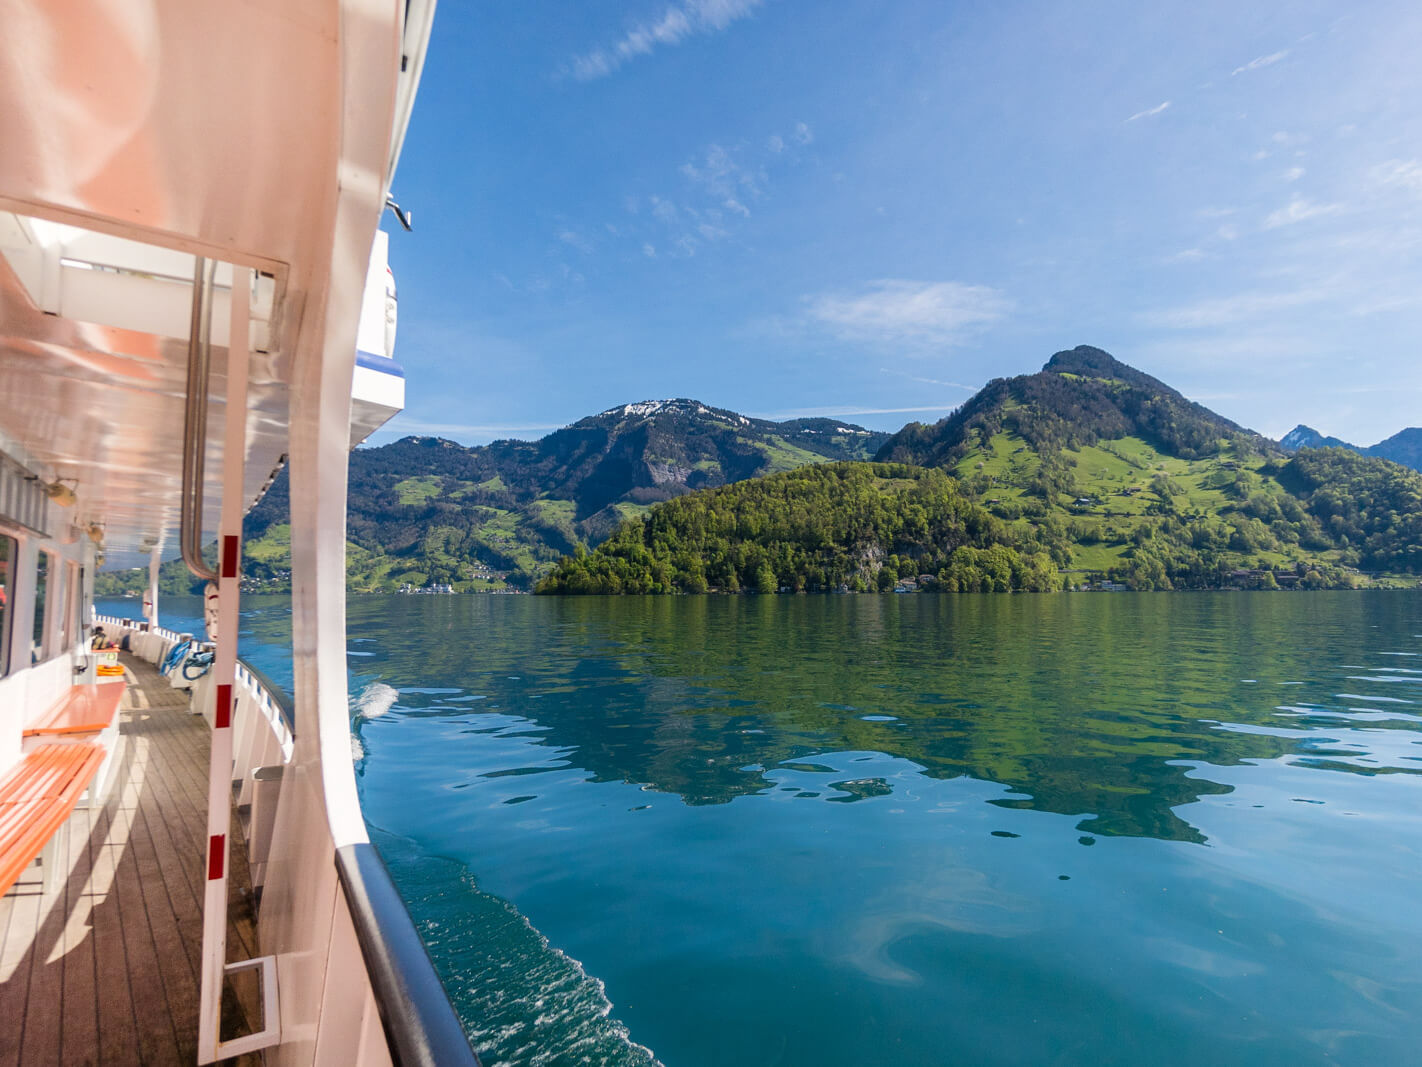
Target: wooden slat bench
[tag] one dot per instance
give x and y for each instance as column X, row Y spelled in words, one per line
column 85, row 713
column 85, row 709
column 36, row 799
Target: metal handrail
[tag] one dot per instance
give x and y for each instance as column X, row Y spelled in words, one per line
column 195, row 420
column 275, row 693
column 421, row 1028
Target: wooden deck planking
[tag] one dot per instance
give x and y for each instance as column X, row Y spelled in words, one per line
column 107, row 970
column 79, row 1036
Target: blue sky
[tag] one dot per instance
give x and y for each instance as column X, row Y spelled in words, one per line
column 867, row 210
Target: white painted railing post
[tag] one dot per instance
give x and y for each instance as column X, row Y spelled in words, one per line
column 224, row 675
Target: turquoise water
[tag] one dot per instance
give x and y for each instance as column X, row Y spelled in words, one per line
column 1126, row 828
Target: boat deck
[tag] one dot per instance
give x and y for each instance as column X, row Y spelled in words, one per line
column 106, row 970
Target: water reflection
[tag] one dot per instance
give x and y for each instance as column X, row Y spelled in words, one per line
column 1107, row 708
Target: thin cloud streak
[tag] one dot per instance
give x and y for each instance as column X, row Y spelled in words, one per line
column 1298, row 210
column 676, row 24
column 926, row 381
column 1260, row 61
column 1148, row 112
column 401, row 424
column 850, row 411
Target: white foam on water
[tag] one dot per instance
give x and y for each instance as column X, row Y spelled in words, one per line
column 375, row 700
column 528, row 1003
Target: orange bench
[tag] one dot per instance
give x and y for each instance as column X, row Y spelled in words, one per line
column 36, row 798
column 87, row 709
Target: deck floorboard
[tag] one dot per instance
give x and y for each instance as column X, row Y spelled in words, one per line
column 107, row 970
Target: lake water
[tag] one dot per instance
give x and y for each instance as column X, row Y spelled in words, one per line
column 1107, row 828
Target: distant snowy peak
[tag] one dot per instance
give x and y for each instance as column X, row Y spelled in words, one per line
column 1302, row 436
column 649, row 409
column 656, row 407
column 681, row 407
column 1403, row 447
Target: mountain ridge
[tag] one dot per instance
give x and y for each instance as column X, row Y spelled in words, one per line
column 426, row 510
column 1080, row 396
column 1404, row 447
column 1089, row 463
column 1104, row 468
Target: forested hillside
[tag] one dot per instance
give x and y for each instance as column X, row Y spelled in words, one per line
column 855, row 526
column 1371, row 508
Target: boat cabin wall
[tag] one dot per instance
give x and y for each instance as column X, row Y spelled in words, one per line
column 45, row 608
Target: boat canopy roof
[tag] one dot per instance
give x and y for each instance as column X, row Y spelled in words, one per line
column 138, row 138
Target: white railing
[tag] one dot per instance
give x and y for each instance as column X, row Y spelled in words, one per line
column 262, row 732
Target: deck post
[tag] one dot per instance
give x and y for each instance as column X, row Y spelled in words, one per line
column 154, row 562
column 224, row 673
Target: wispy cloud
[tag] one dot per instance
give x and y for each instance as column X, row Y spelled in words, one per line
column 1297, row 210
column 1226, row 311
column 1404, row 174
column 1293, row 174
column 575, row 240
column 1148, row 112
column 725, row 177
column 1260, row 61
column 722, row 186
column 899, row 311
column 675, row 25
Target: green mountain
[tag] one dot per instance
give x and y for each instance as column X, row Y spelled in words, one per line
column 1106, row 471
column 1079, row 398
column 1403, row 447
column 425, row 510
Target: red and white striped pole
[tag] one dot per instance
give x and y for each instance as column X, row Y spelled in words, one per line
column 224, row 671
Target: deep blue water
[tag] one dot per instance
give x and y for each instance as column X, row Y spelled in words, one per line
column 1125, row 828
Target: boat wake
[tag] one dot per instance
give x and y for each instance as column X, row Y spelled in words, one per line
column 375, row 700
column 522, row 1001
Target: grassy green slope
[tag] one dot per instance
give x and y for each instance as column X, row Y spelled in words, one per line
column 1114, row 489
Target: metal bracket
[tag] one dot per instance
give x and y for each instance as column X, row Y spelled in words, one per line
column 270, row 1034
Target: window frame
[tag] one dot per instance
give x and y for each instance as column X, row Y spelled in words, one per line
column 42, row 615
column 7, row 609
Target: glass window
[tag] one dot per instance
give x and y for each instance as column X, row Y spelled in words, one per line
column 37, row 649
column 9, row 548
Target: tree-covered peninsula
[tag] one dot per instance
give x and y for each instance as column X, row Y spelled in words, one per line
column 853, row 526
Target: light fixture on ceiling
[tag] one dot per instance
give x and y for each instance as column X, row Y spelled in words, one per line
column 96, row 532
column 61, row 491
